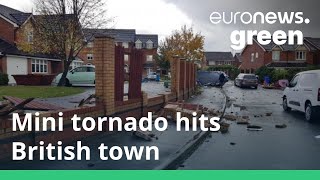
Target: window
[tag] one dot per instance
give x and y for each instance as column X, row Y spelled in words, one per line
column 90, row 57
column 30, row 37
column 80, row 69
column 301, row 55
column 252, row 57
column 90, row 69
column 149, row 44
column 39, row 66
column 275, row 55
column 257, row 55
column 126, row 57
column 294, row 81
column 138, row 44
column 90, row 45
column 75, row 64
column 125, row 45
column 149, row 58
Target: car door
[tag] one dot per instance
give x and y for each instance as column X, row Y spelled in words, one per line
column 75, row 75
column 306, row 90
column 90, row 75
column 292, row 93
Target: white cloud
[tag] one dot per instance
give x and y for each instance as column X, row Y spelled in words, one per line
column 156, row 16
column 146, row 16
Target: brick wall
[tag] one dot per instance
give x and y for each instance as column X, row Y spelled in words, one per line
column 7, row 31
column 104, row 53
column 247, row 65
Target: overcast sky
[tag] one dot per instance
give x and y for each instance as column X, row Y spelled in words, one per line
column 163, row 16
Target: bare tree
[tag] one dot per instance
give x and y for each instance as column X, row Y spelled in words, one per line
column 59, row 24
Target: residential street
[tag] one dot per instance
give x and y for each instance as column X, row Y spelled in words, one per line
column 294, row 147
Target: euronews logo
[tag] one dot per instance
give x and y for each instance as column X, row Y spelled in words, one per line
column 240, row 38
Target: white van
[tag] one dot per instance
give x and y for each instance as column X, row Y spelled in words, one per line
column 303, row 94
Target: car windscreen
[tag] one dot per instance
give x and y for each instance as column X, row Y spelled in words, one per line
column 249, row 77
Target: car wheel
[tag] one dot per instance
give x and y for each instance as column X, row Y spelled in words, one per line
column 310, row 113
column 68, row 84
column 285, row 105
column 256, row 87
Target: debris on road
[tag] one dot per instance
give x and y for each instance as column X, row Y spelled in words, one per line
column 232, row 144
column 230, row 117
column 254, row 128
column 144, row 135
column 317, row 137
column 224, row 127
column 282, row 126
column 268, row 114
column 243, row 122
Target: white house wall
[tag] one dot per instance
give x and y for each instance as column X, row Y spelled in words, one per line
column 16, row 66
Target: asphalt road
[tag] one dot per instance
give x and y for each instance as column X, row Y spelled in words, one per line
column 294, row 147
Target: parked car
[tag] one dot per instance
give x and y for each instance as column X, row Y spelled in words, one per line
column 246, row 80
column 152, row 76
column 210, row 78
column 79, row 76
column 303, row 94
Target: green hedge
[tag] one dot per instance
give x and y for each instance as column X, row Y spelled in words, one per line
column 278, row 74
column 4, row 80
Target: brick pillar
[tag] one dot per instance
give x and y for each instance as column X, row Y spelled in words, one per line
column 183, row 79
column 104, row 54
column 195, row 68
column 144, row 104
column 175, row 75
column 189, row 78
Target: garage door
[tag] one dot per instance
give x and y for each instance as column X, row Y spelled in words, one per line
column 16, row 66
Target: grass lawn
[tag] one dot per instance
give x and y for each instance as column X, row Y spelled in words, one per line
column 38, row 91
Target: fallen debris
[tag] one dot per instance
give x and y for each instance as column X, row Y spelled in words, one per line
column 232, row 144
column 268, row 114
column 230, row 117
column 254, row 128
column 317, row 137
column 11, row 108
column 144, row 135
column 243, row 122
column 87, row 101
column 224, row 127
column 282, row 126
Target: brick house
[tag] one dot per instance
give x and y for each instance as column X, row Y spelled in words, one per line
column 237, row 59
column 286, row 56
column 16, row 33
column 127, row 38
column 219, row 58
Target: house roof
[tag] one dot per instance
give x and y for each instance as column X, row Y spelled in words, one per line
column 120, row 35
column 9, row 49
column 314, row 41
column 218, row 56
column 285, row 47
column 144, row 38
column 13, row 15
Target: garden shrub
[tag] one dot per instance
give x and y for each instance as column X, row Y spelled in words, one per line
column 4, row 80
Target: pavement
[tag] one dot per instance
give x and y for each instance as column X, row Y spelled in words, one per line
column 291, row 148
column 151, row 88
